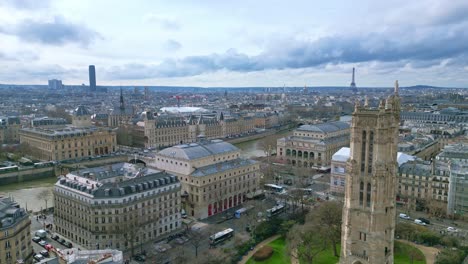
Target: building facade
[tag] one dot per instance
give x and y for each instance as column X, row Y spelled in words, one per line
column 170, row 130
column 313, row 145
column 9, row 130
column 15, row 233
column 214, row 177
column 369, row 208
column 116, row 206
column 80, row 140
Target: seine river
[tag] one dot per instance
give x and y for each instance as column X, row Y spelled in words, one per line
column 26, row 194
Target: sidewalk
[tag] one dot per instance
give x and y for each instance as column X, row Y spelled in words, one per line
column 257, row 247
column 429, row 252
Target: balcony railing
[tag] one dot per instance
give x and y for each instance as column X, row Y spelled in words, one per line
column 360, row 255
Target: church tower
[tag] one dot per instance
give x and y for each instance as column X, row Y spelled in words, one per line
column 369, row 213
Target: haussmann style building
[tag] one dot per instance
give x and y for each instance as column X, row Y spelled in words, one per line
column 116, row 206
column 15, row 233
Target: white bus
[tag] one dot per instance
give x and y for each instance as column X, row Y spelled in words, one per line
column 221, row 236
column 273, row 188
column 275, row 210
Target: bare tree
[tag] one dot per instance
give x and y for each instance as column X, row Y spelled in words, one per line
column 306, row 242
column 44, row 195
column 197, row 237
column 328, row 215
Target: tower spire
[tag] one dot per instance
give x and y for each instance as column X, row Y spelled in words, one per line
column 397, row 87
column 122, row 104
column 353, row 83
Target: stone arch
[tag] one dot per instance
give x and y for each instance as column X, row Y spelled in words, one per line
column 293, row 153
column 288, row 152
column 357, row 262
column 306, row 155
column 299, row 154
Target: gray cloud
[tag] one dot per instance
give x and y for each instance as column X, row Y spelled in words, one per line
column 418, row 48
column 172, row 45
column 26, row 56
column 56, row 32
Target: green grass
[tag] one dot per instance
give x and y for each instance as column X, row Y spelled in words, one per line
column 279, row 253
column 326, row 257
column 402, row 254
column 45, row 182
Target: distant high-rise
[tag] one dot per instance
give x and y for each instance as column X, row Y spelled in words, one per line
column 353, row 84
column 55, row 84
column 92, row 78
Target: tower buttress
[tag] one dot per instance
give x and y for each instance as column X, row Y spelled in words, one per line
column 369, row 207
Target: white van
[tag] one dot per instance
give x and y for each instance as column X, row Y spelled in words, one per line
column 41, row 233
column 404, row 216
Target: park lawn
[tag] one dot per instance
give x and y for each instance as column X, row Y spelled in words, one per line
column 402, row 255
column 279, row 253
column 327, row 256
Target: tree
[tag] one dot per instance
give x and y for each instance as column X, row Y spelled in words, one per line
column 198, row 236
column 305, row 242
column 44, row 195
column 328, row 216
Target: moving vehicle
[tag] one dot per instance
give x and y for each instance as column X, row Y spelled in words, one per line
column 44, row 253
column 419, row 222
column 424, row 220
column 242, row 211
column 221, row 236
column 451, row 229
column 275, row 210
column 404, row 216
column 273, row 188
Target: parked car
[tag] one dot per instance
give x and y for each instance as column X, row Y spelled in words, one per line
column 36, row 239
column 419, row 222
column 55, row 237
column 68, row 244
column 404, row 216
column 42, row 243
column 44, row 253
column 424, row 220
column 38, row 257
column 140, row 258
column 451, row 229
column 61, row 241
column 48, row 247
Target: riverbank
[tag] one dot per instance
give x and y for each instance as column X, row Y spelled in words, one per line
column 44, row 182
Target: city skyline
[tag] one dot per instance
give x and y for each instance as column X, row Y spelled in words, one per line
column 235, row 44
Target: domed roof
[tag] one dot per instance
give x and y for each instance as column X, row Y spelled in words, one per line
column 81, row 111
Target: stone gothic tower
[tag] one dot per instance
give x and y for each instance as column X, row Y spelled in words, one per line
column 369, row 208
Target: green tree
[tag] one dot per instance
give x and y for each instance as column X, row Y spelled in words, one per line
column 305, row 242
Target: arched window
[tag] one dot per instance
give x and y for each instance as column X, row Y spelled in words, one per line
column 363, row 151
column 368, row 197
column 371, row 151
column 361, row 193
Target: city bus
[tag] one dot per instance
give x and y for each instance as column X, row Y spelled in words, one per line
column 273, row 188
column 275, row 210
column 221, row 236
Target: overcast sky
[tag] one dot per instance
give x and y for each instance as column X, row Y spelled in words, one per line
column 235, row 43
